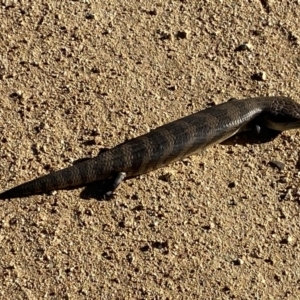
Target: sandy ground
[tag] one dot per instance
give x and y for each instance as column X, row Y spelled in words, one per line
column 77, row 76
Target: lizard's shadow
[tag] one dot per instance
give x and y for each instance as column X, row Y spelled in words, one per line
column 100, row 190
column 265, row 135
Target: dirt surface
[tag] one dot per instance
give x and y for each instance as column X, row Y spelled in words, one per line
column 77, row 76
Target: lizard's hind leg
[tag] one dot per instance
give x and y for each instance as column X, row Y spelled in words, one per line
column 103, row 189
column 114, row 182
column 117, row 180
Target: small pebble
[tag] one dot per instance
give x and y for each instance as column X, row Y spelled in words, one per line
column 232, row 185
column 243, row 47
column 239, row 261
column 130, row 257
column 283, row 179
column 88, row 212
column 183, row 34
column 260, row 76
column 212, row 225
column 288, row 195
column 276, row 163
column 90, row 16
column 287, row 240
column 167, row 177
column 16, row 95
column 153, row 12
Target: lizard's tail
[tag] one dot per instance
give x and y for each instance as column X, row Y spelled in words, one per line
column 72, row 176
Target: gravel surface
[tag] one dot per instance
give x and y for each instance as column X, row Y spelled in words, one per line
column 77, row 76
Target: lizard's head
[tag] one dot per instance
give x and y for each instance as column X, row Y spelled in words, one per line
column 283, row 115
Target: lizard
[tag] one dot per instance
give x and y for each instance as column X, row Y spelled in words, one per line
column 168, row 143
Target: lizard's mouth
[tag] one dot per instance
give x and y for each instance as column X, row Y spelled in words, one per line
column 281, row 124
